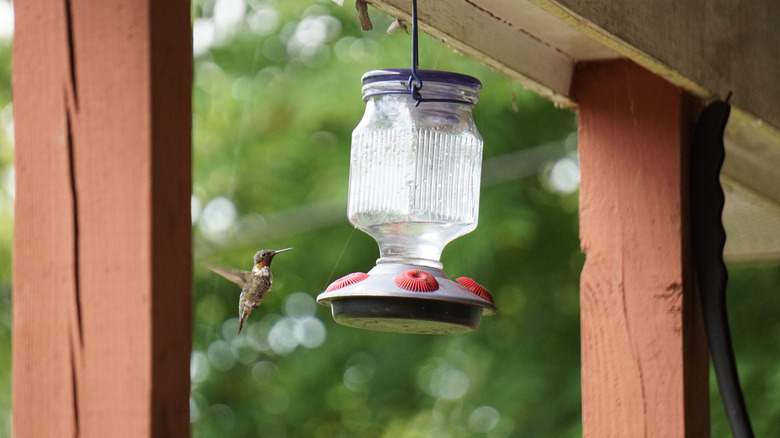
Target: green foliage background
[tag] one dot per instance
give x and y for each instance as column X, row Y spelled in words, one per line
column 276, row 96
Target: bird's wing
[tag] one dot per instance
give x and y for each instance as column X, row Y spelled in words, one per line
column 237, row 276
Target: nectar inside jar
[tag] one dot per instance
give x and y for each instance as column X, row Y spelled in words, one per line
column 415, row 167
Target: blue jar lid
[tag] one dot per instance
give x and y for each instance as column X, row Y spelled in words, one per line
column 447, row 87
column 403, row 75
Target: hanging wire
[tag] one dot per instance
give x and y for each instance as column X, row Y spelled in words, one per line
column 415, row 83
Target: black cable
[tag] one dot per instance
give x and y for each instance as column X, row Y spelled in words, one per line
column 709, row 239
column 415, row 83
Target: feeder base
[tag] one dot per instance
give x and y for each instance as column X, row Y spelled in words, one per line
column 406, row 315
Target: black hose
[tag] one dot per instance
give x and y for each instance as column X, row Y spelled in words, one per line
column 709, row 239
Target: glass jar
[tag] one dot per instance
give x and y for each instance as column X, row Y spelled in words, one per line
column 415, row 166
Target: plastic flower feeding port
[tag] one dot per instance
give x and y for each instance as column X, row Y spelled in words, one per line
column 416, row 162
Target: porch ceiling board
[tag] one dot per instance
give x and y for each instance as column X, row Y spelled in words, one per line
column 519, row 39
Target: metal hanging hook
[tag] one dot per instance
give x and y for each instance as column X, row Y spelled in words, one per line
column 415, row 83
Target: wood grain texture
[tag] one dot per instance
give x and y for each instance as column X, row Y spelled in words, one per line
column 722, row 46
column 644, row 356
column 102, row 271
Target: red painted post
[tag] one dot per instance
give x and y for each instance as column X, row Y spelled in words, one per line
column 644, row 353
column 102, row 270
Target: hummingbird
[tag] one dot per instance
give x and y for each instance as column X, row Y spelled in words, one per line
column 254, row 284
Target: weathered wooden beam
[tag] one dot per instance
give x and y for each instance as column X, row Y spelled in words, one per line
column 508, row 36
column 102, row 271
column 644, row 354
column 707, row 46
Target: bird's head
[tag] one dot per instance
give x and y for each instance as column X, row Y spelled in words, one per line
column 264, row 256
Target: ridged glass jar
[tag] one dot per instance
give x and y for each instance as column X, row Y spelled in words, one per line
column 415, row 168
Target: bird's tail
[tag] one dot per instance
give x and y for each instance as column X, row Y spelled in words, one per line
column 244, row 316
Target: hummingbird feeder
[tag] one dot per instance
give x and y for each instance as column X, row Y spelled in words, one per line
column 414, row 182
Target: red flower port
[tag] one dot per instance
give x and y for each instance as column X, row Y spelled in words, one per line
column 475, row 288
column 347, row 280
column 416, row 280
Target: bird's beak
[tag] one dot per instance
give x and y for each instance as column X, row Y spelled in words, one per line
column 258, row 265
column 268, row 260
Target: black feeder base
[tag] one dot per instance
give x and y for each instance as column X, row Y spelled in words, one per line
column 406, row 315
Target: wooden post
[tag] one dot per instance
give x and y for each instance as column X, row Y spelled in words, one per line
column 102, row 251
column 644, row 353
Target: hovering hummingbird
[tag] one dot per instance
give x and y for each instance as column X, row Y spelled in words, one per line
column 254, row 284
